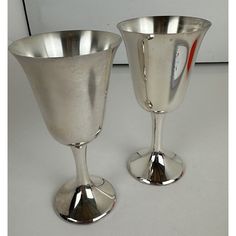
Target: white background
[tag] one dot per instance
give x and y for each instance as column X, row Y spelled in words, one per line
column 17, row 27
column 52, row 15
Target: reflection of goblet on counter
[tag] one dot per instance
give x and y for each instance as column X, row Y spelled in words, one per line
column 69, row 73
column 161, row 51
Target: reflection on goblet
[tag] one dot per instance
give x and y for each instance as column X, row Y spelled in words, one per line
column 161, row 52
column 69, row 73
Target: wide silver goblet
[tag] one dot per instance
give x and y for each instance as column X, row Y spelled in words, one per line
column 161, row 52
column 69, row 73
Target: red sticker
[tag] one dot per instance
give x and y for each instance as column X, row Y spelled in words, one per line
column 191, row 55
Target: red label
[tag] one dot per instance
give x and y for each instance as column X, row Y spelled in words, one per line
column 191, row 55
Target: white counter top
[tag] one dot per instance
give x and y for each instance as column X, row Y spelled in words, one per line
column 193, row 206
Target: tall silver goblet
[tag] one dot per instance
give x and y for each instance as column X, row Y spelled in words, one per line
column 69, row 73
column 161, row 52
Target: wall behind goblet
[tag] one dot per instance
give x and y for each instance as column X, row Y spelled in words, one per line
column 51, row 15
column 17, row 27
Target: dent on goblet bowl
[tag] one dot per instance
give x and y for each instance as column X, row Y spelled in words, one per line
column 69, row 73
column 161, row 51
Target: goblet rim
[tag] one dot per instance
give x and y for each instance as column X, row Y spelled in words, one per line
column 116, row 37
column 206, row 22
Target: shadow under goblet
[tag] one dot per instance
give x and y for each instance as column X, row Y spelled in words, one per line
column 69, row 73
column 161, row 52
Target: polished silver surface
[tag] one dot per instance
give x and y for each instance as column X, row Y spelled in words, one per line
column 161, row 52
column 69, row 74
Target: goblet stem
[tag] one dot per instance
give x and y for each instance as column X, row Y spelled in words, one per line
column 82, row 175
column 157, row 123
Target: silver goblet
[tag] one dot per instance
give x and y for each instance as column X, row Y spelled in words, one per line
column 161, row 52
column 69, row 73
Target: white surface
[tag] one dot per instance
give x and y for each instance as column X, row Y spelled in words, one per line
column 17, row 27
column 52, row 15
column 197, row 131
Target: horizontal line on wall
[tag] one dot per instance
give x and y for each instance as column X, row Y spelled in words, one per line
column 197, row 63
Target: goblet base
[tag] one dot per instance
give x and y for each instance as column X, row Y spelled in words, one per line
column 155, row 168
column 85, row 203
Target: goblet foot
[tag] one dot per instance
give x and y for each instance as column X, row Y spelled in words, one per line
column 156, row 168
column 85, row 203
